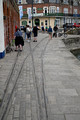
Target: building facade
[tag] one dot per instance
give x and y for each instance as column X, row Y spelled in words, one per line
column 49, row 12
column 9, row 18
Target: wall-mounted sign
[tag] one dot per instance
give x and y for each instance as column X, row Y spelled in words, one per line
column 24, row 10
column 38, row 14
column 39, row 8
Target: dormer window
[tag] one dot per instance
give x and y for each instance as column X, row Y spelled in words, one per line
column 65, row 1
column 19, row 1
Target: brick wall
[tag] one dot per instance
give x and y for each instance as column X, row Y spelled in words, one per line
column 41, row 5
column 11, row 18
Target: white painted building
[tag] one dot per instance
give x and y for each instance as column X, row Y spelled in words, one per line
column 2, row 44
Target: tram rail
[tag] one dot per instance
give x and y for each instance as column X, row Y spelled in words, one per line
column 11, row 83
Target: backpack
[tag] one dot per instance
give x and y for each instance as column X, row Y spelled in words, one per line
column 27, row 30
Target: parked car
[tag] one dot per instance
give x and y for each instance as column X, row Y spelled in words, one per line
column 76, row 25
column 68, row 25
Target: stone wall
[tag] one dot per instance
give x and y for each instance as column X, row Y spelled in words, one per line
column 72, row 42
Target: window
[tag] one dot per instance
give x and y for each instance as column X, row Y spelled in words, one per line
column 75, row 11
column 52, row 9
column 45, row 10
column 24, row 23
column 57, row 1
column 28, row 10
column 65, row 10
column 29, row 13
column 36, row 1
column 34, row 10
column 45, row 22
column 19, row 1
column 75, row 3
column 52, row 1
column 41, row 23
column 29, row 21
column 65, row 1
column 57, row 9
column 57, row 22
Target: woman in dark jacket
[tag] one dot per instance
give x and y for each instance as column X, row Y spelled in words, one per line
column 35, row 32
column 18, row 40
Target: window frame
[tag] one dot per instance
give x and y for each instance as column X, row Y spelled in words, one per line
column 45, row 8
column 20, row 1
column 52, row 9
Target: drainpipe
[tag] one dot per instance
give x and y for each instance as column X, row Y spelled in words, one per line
column 2, row 45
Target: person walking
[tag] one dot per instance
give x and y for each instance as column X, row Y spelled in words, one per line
column 65, row 28
column 35, row 33
column 55, row 31
column 50, row 32
column 42, row 29
column 18, row 40
column 24, row 29
column 46, row 28
column 28, row 32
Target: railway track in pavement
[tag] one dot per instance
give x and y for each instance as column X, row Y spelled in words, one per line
column 14, row 77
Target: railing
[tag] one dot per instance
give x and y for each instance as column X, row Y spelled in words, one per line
column 55, row 14
column 61, row 14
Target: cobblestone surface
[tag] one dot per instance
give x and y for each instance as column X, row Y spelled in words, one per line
column 60, row 71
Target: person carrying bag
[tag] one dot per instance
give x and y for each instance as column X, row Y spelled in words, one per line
column 19, row 42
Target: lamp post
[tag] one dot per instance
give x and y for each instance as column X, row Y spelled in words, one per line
column 79, row 8
column 32, row 13
column 71, row 3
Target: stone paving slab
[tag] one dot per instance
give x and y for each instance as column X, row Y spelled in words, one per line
column 72, row 117
column 62, row 83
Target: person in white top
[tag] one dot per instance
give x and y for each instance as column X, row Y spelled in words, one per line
column 28, row 32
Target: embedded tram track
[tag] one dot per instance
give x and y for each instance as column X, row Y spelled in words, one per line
column 11, row 84
column 41, row 97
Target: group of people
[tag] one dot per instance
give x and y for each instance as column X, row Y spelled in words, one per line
column 28, row 31
column 50, row 31
column 19, row 42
